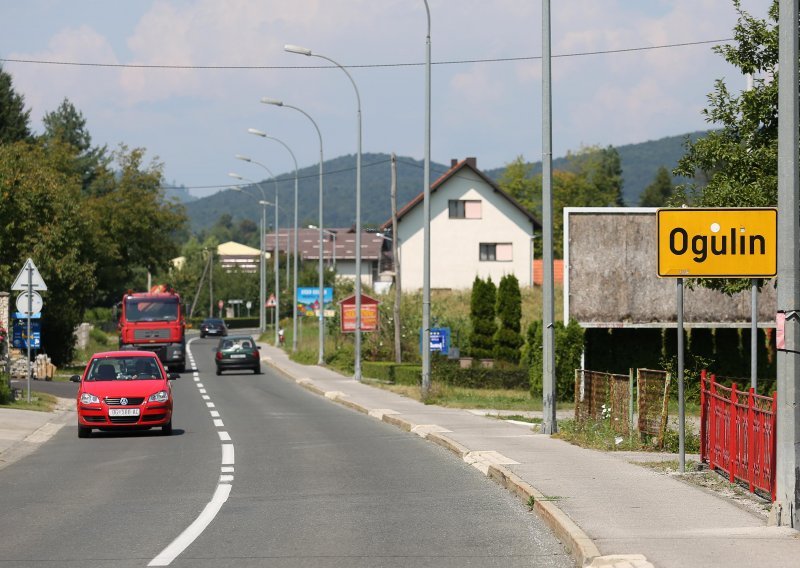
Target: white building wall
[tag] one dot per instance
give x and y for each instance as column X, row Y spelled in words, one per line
column 455, row 243
column 347, row 269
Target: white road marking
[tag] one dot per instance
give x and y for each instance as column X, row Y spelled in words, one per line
column 227, row 454
column 200, row 385
column 224, row 436
column 218, row 423
column 197, row 379
column 194, row 530
column 225, row 478
column 210, row 404
column 226, row 469
column 206, row 397
column 214, row 414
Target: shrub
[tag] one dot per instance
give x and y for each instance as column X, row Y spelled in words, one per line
column 477, row 377
column 482, row 316
column 568, row 349
column 507, row 340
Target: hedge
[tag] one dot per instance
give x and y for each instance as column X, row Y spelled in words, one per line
column 477, row 377
column 403, row 373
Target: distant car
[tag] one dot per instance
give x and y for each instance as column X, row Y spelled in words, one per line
column 124, row 390
column 213, row 326
column 238, row 352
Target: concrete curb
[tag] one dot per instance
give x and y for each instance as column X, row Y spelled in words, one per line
column 581, row 547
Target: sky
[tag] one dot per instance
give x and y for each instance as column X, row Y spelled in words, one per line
column 184, row 78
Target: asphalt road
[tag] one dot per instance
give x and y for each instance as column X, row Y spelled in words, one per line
column 311, row 484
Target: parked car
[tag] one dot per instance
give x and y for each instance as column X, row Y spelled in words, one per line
column 238, row 352
column 122, row 390
column 213, row 326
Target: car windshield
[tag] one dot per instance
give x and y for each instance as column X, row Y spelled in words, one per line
column 237, row 344
column 151, row 309
column 124, row 369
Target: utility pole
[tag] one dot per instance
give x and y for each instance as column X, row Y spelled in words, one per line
column 398, row 356
column 787, row 497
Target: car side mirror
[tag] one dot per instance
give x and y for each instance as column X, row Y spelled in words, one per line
column 173, row 376
column 75, row 379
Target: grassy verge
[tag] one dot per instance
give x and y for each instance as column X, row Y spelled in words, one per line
column 40, row 401
column 598, row 435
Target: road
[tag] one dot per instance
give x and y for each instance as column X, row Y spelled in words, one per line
column 260, row 472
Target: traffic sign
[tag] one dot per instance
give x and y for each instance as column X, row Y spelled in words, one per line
column 220, row 304
column 35, row 301
column 271, row 303
column 29, row 275
column 717, row 243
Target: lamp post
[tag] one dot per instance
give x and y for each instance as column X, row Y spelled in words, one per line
column 333, row 250
column 294, row 261
column 426, row 213
column 275, row 263
column 262, row 269
column 321, row 358
column 307, row 52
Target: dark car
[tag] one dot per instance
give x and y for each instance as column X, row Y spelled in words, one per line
column 213, row 326
column 238, row 352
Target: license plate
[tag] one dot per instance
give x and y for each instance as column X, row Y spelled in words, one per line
column 123, row 412
column 238, row 356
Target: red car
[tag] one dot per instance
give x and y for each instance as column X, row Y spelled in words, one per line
column 124, row 390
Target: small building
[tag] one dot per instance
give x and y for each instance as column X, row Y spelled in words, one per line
column 235, row 256
column 476, row 229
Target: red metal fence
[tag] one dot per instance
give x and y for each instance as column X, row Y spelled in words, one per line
column 737, row 433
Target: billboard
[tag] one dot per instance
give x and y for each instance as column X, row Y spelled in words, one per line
column 611, row 277
column 308, row 301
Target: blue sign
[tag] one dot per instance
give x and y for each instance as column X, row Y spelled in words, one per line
column 19, row 337
column 439, row 340
column 308, row 300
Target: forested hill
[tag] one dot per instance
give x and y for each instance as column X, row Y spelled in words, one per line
column 639, row 165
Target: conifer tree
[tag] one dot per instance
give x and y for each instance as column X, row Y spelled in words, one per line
column 507, row 339
column 482, row 315
column 14, row 119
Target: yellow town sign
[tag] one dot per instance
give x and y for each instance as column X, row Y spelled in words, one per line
column 718, row 243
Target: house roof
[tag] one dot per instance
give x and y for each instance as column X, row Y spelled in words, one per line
column 232, row 248
column 456, row 167
column 308, row 243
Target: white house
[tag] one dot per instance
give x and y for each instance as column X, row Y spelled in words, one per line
column 476, row 230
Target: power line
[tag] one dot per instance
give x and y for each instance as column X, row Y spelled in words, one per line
column 361, row 66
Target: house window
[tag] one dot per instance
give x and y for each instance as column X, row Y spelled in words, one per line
column 496, row 252
column 464, row 209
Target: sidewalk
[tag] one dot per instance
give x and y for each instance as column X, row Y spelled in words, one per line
column 607, row 512
column 23, row 431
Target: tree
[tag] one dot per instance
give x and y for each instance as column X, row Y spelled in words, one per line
column 602, row 171
column 14, row 119
column 517, row 181
column 137, row 226
column 66, row 125
column 657, row 194
column 736, row 165
column 507, row 339
column 568, row 344
column 42, row 217
column 482, row 316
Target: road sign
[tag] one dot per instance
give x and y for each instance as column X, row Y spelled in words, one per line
column 29, row 274
column 220, row 304
column 271, row 301
column 19, row 335
column 717, row 243
column 35, row 301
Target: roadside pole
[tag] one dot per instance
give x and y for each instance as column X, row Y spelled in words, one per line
column 787, row 493
column 28, row 281
column 681, row 405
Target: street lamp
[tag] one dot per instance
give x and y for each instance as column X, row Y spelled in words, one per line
column 426, row 213
column 294, row 270
column 275, row 260
column 333, row 250
column 262, row 316
column 305, row 51
column 321, row 358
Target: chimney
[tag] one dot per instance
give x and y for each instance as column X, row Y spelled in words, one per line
column 472, row 162
column 453, row 163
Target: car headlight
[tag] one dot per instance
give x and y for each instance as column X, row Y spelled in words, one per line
column 160, row 396
column 87, row 398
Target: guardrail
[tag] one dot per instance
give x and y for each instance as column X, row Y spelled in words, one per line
column 737, row 433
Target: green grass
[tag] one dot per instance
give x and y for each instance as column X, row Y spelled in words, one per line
column 598, row 435
column 40, row 401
